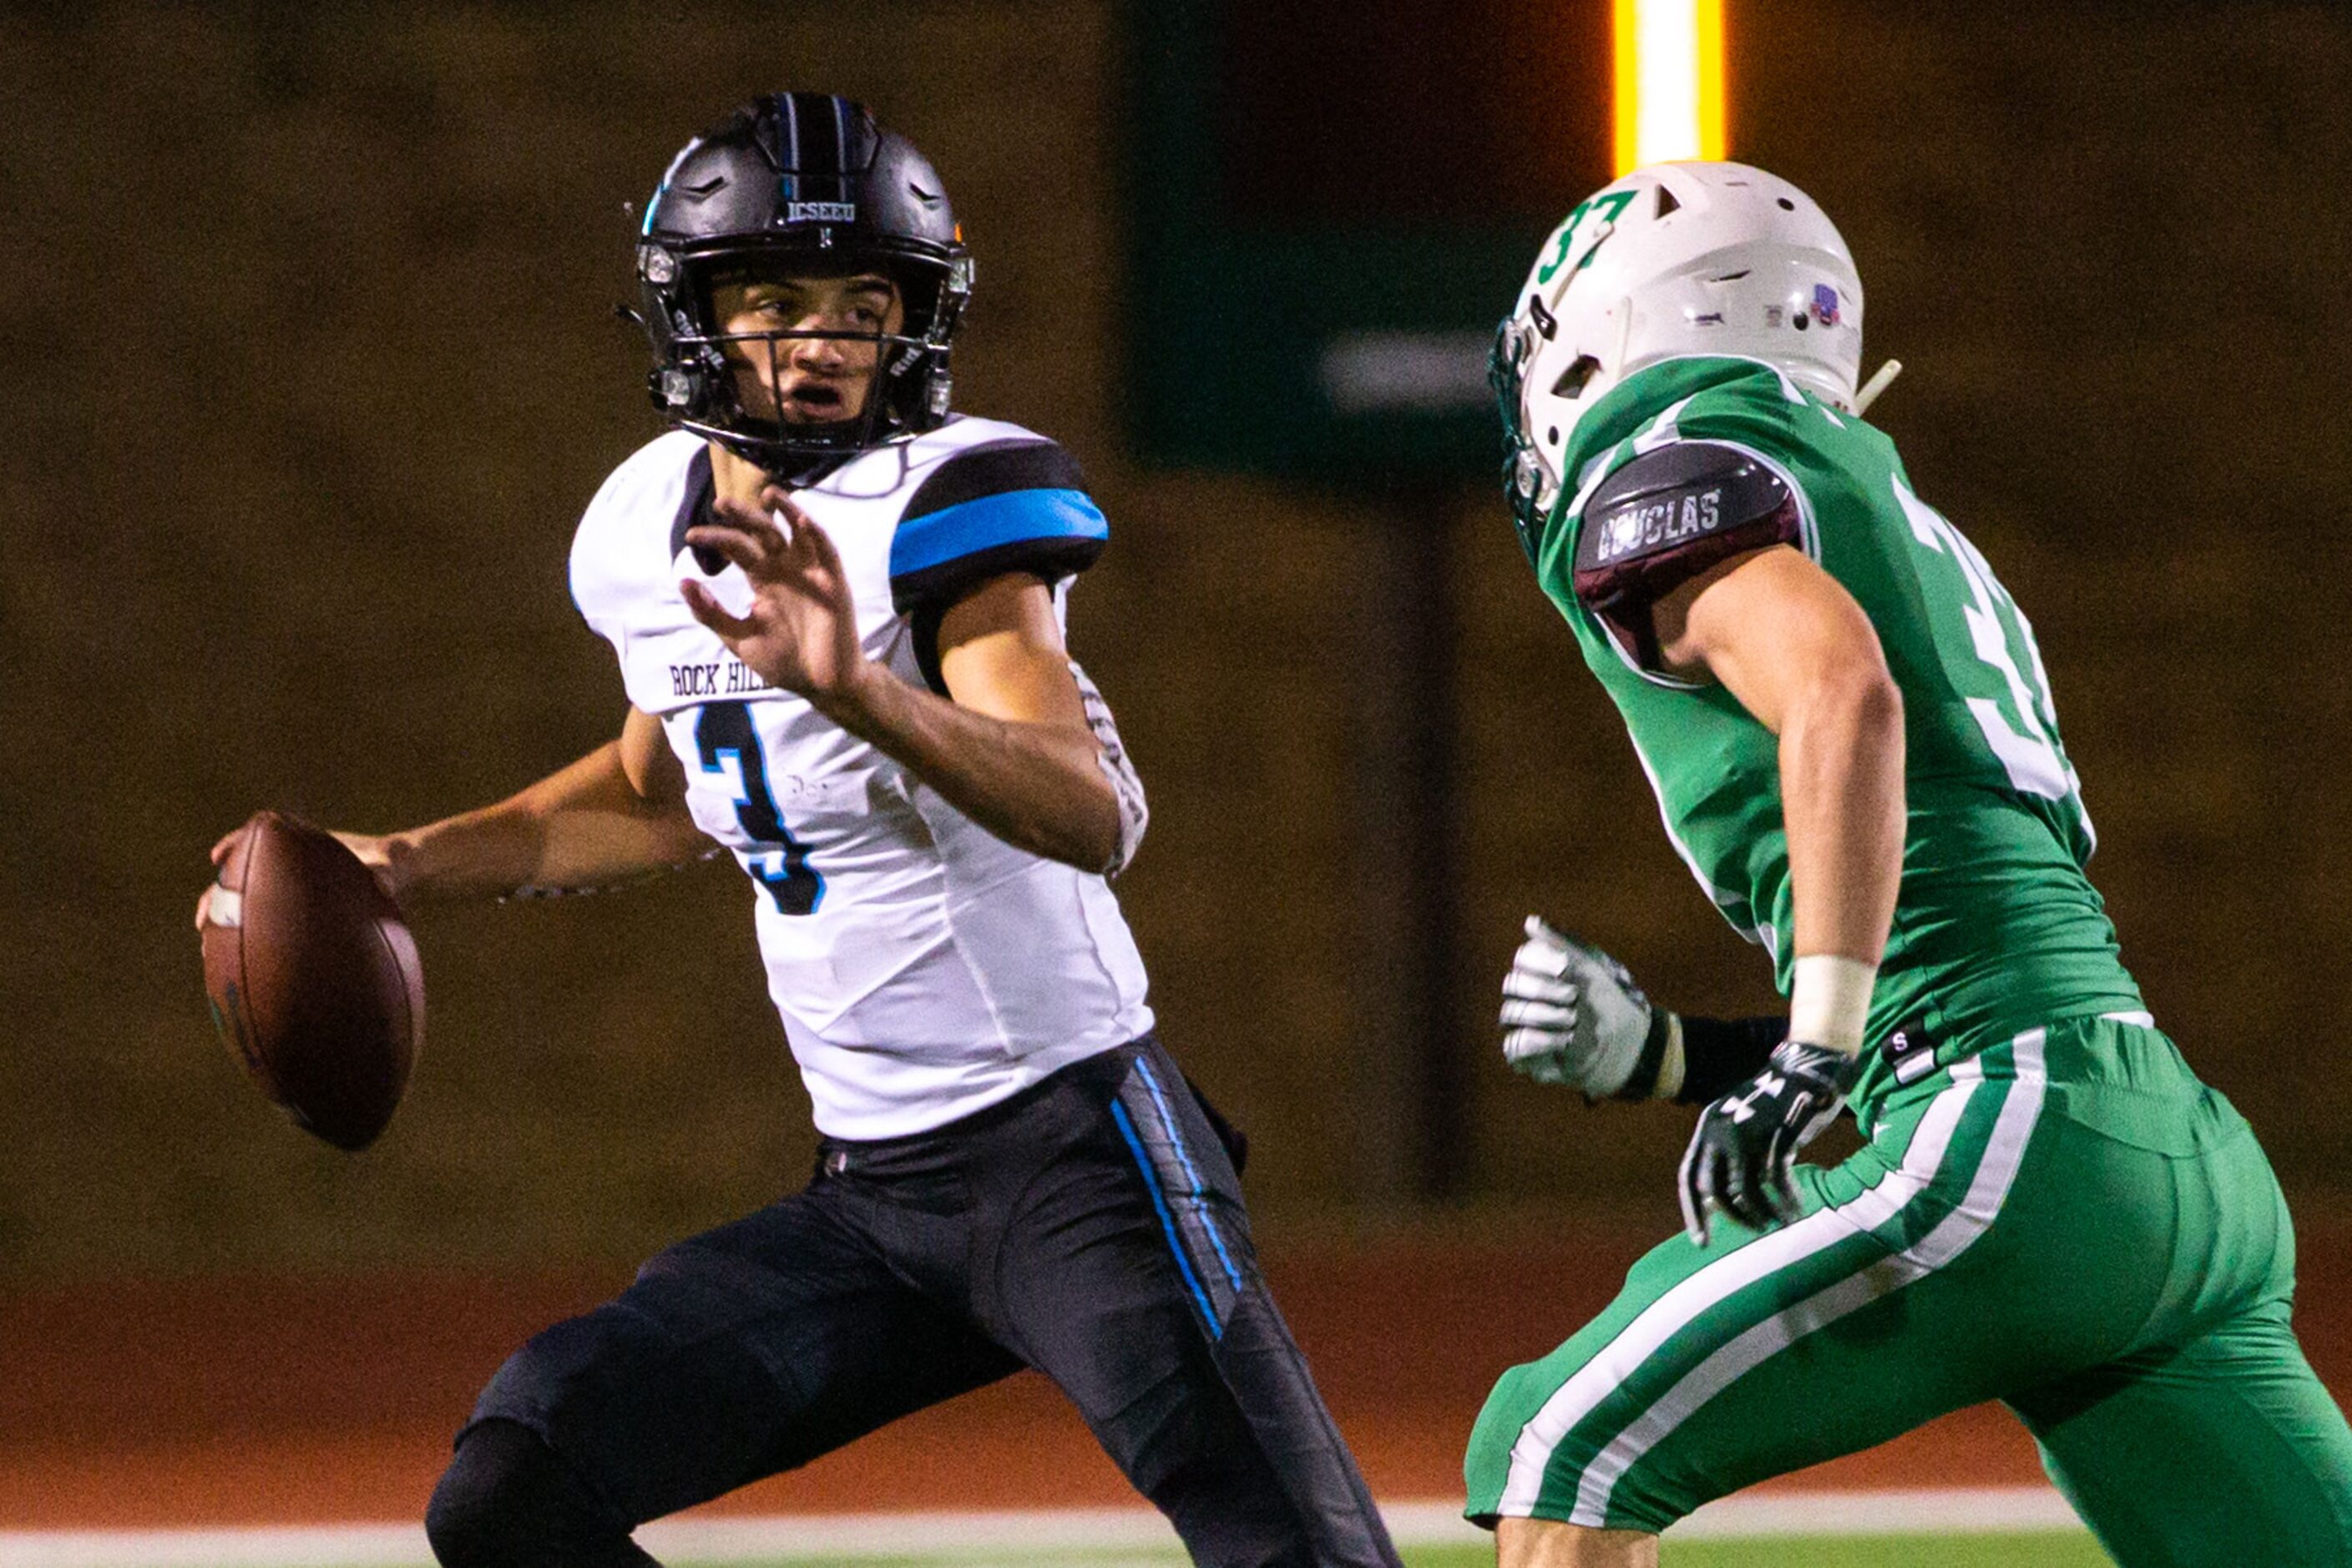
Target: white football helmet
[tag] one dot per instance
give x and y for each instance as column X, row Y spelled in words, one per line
column 1671, row 259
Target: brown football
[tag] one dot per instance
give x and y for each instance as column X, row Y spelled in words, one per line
column 313, row 979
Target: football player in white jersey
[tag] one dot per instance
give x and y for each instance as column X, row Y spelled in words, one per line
column 838, row 612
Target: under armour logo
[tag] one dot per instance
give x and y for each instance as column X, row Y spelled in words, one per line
column 1767, row 1086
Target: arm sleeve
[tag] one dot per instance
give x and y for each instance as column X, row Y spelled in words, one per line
column 1016, row 506
column 1664, row 518
column 1721, row 1054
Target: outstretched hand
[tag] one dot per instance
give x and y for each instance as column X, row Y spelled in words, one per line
column 800, row 631
column 220, row 853
column 375, row 852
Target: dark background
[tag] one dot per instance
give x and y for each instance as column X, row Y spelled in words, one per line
column 310, row 366
column 1472, row 115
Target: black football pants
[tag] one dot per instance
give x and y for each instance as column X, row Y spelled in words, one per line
column 1091, row 1226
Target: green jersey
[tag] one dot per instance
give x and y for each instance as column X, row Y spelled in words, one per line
column 1996, row 927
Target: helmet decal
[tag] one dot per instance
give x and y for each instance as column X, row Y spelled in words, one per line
column 1607, row 208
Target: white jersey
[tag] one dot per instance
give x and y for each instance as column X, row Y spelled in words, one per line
column 924, row 967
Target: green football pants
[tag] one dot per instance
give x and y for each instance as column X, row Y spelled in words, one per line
column 2069, row 1222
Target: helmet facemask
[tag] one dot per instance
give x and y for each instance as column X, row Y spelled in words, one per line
column 1528, row 345
column 907, row 386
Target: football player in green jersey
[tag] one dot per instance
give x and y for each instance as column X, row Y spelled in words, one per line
column 1851, row 740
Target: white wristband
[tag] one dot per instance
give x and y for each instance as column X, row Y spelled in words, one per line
column 1672, row 1067
column 1829, row 1001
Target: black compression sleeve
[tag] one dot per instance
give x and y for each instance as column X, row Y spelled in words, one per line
column 1721, row 1054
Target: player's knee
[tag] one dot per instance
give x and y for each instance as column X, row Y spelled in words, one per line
column 1544, row 1543
column 471, row 1519
column 1487, row 1459
column 506, row 1500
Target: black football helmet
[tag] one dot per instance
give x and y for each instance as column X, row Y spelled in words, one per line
column 800, row 183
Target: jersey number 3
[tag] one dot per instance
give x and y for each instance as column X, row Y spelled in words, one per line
column 730, row 751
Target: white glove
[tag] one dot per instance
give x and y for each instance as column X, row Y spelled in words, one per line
column 1573, row 1015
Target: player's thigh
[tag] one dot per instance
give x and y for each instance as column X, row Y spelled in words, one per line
column 1126, row 1273
column 2222, row 1451
column 1895, row 1298
column 1635, row 1421
column 2215, row 1443
column 746, row 1351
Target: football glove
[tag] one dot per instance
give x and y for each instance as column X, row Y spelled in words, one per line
column 1741, row 1154
column 1572, row 1015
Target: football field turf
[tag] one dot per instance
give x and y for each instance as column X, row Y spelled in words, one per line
column 2067, row 1549
column 2053, row 1549
column 1957, row 1528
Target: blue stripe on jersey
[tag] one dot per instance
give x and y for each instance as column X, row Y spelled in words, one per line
column 987, row 523
column 1167, row 1220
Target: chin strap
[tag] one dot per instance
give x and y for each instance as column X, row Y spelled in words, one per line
column 1877, row 384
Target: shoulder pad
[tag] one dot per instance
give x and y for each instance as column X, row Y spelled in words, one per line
column 615, row 563
column 1012, row 505
column 1003, row 506
column 1664, row 518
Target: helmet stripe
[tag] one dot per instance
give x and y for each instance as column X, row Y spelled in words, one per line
column 816, row 145
column 842, row 143
column 829, row 158
column 788, row 137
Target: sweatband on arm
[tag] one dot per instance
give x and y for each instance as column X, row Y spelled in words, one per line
column 1829, row 1001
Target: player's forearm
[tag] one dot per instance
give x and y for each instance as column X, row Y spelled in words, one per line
column 582, row 827
column 1841, row 756
column 1039, row 787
